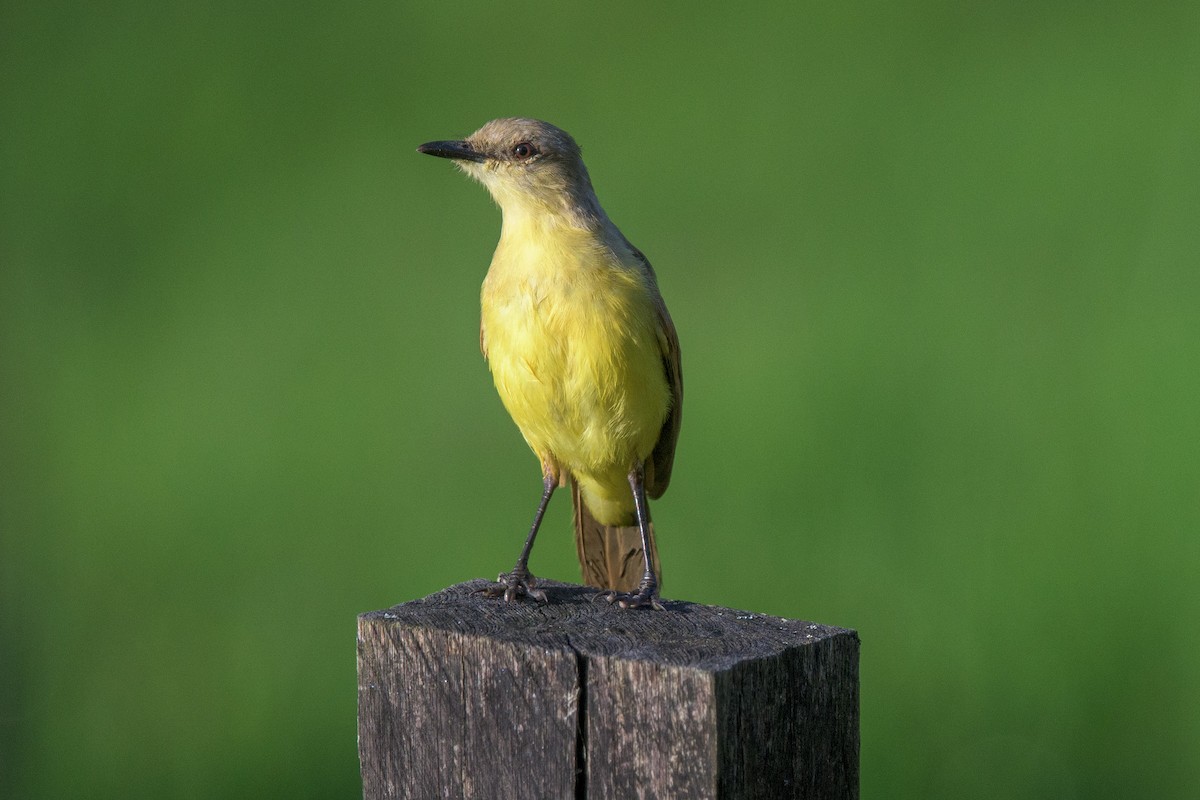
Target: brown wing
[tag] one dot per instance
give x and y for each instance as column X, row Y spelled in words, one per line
column 658, row 466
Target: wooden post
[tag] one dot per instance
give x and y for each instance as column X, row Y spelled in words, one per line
column 464, row 696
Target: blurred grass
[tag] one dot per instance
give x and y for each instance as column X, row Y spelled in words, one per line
column 934, row 268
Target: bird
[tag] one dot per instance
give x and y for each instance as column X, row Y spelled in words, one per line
column 582, row 351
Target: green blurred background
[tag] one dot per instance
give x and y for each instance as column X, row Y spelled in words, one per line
column 934, row 269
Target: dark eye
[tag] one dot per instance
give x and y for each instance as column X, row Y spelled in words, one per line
column 524, row 150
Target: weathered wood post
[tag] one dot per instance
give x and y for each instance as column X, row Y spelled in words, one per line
column 461, row 696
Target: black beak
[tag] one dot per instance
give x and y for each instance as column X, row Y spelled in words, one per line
column 461, row 151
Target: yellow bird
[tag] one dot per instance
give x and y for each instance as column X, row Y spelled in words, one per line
column 582, row 351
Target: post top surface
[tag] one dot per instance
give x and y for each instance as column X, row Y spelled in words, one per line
column 684, row 634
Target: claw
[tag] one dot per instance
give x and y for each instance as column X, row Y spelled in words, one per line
column 642, row 599
column 515, row 585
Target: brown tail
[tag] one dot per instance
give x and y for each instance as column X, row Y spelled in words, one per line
column 610, row 556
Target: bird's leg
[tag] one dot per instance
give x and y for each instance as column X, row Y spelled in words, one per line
column 520, row 582
column 646, row 595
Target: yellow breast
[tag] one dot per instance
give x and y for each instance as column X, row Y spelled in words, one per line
column 571, row 336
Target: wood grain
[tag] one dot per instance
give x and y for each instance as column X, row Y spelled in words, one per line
column 463, row 696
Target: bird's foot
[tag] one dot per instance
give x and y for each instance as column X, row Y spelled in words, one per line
column 645, row 597
column 515, row 585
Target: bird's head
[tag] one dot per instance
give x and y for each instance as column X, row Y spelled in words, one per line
column 527, row 165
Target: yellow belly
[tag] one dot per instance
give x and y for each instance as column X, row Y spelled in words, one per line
column 575, row 356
